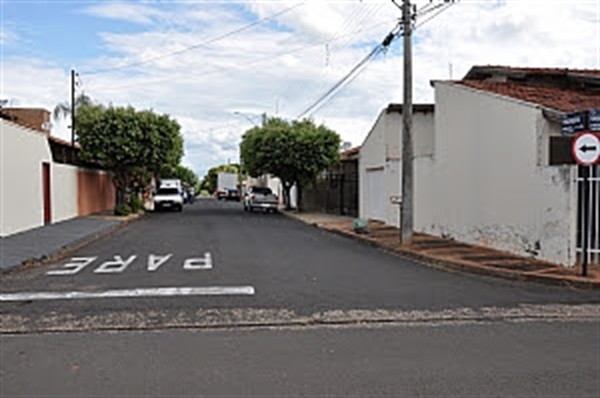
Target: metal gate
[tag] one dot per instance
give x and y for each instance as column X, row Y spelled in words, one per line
column 593, row 213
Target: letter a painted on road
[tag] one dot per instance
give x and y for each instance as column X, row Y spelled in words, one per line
column 116, row 266
column 198, row 263
column 156, row 261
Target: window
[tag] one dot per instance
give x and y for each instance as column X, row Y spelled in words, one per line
column 168, row 191
column 560, row 151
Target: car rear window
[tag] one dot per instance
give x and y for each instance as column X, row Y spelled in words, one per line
column 262, row 191
column 168, row 191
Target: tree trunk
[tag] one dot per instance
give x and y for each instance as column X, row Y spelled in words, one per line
column 120, row 182
column 299, row 196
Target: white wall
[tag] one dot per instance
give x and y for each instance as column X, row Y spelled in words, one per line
column 371, row 157
column 22, row 152
column 64, row 192
column 382, row 149
column 487, row 184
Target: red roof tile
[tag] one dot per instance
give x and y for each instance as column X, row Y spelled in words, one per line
column 536, row 71
column 563, row 100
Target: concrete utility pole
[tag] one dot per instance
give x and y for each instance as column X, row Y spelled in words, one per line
column 406, row 210
column 72, row 107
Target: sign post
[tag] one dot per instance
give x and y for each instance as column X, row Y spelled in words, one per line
column 397, row 200
column 586, row 152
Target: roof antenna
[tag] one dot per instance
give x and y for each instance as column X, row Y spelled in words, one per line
column 450, row 69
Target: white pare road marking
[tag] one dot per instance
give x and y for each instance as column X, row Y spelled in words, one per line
column 116, row 266
column 131, row 293
column 156, row 261
column 76, row 265
column 198, row 263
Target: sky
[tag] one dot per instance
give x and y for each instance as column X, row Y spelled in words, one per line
column 217, row 66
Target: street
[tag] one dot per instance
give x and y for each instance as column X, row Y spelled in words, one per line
column 217, row 301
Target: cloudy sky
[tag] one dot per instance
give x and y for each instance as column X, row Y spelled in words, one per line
column 217, row 66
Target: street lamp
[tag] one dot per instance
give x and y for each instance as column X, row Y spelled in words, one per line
column 245, row 117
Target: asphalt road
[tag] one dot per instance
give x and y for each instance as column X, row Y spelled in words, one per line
column 471, row 360
column 240, row 286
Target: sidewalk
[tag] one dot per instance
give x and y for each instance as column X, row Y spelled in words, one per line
column 50, row 241
column 448, row 254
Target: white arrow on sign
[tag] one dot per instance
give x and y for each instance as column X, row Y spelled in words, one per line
column 586, row 149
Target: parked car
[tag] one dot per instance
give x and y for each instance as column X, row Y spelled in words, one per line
column 228, row 194
column 260, row 198
column 168, row 198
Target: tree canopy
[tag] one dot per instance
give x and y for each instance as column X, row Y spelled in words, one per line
column 133, row 145
column 186, row 175
column 295, row 152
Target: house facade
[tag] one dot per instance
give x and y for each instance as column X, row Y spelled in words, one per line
column 38, row 185
column 380, row 166
column 497, row 171
column 501, row 175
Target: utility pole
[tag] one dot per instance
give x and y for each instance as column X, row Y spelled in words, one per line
column 72, row 107
column 406, row 210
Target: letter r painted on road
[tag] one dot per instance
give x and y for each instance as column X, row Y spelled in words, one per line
column 198, row 263
column 76, row 265
column 116, row 266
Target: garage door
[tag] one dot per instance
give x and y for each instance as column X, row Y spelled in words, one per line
column 375, row 195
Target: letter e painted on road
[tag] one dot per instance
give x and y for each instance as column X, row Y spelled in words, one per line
column 198, row 263
column 116, row 266
column 156, row 261
column 76, row 265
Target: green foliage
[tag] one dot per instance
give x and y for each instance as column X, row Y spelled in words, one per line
column 63, row 109
column 134, row 145
column 186, row 175
column 295, row 152
column 136, row 204
column 209, row 182
column 122, row 209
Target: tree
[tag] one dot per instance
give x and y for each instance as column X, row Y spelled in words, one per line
column 294, row 152
column 186, row 175
column 133, row 145
column 63, row 109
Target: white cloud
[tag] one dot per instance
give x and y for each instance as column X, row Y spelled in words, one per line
column 284, row 66
column 130, row 12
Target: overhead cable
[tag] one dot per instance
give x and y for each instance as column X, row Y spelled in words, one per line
column 197, row 45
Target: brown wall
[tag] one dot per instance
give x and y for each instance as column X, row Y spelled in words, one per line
column 29, row 117
column 96, row 192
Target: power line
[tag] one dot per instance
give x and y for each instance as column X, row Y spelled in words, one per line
column 195, row 46
column 443, row 7
column 221, row 69
column 351, row 75
column 357, row 18
column 354, row 72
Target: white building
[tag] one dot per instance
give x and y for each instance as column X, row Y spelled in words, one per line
column 380, row 160
column 36, row 186
column 500, row 173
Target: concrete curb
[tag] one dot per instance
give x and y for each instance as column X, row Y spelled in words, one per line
column 466, row 267
column 76, row 245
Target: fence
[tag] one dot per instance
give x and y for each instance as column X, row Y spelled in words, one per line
column 593, row 213
column 333, row 194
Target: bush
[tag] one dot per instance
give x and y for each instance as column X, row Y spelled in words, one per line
column 122, row 210
column 136, row 204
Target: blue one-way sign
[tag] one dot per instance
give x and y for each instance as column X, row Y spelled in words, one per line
column 572, row 123
column 594, row 119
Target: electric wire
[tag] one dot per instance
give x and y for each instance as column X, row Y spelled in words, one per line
column 197, row 45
